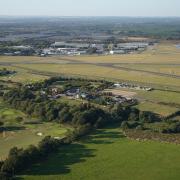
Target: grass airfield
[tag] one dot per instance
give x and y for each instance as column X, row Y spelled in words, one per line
column 159, row 66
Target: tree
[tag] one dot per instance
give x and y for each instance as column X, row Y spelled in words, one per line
column 47, row 145
column 124, row 125
column 148, row 117
column 134, row 115
column 65, row 115
column 1, row 123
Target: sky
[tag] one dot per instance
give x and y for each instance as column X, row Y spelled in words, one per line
column 145, row 8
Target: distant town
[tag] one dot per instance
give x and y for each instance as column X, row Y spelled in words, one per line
column 77, row 48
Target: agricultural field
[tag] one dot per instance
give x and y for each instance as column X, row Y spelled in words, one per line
column 117, row 157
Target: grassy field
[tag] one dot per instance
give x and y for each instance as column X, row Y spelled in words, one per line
column 108, row 155
column 163, row 58
column 22, row 75
column 168, row 69
column 24, row 135
column 157, row 108
column 110, row 73
column 159, row 96
column 21, row 134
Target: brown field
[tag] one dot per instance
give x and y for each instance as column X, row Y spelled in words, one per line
column 118, row 92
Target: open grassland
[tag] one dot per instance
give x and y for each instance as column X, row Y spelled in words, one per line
column 157, row 66
column 161, row 102
column 22, row 75
column 94, row 71
column 29, row 59
column 108, row 155
column 167, row 69
column 160, row 109
column 159, row 96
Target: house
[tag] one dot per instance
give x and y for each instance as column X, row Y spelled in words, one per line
column 72, row 92
column 83, row 95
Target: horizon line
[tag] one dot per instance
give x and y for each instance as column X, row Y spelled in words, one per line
column 84, row 16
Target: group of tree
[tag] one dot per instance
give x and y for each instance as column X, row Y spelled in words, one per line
column 4, row 72
column 174, row 128
column 35, row 104
column 40, row 106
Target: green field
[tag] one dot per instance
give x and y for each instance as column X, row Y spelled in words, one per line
column 163, row 59
column 157, row 108
column 108, row 155
column 24, row 135
column 160, row 96
column 21, row 134
column 95, row 71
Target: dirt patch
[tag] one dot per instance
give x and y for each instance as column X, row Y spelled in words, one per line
column 118, row 92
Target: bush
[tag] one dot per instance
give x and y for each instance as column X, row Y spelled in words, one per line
column 124, row 125
column 134, row 115
column 129, row 125
column 1, row 123
column 48, row 145
column 174, row 128
column 148, row 117
column 140, row 127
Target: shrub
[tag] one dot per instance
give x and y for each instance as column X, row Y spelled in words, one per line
column 174, row 128
column 148, row 117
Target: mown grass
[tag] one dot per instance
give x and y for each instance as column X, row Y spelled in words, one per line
column 162, row 110
column 160, row 96
column 167, row 69
column 23, row 76
column 164, row 53
column 108, row 155
column 94, row 71
column 9, row 115
column 24, row 135
column 19, row 133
